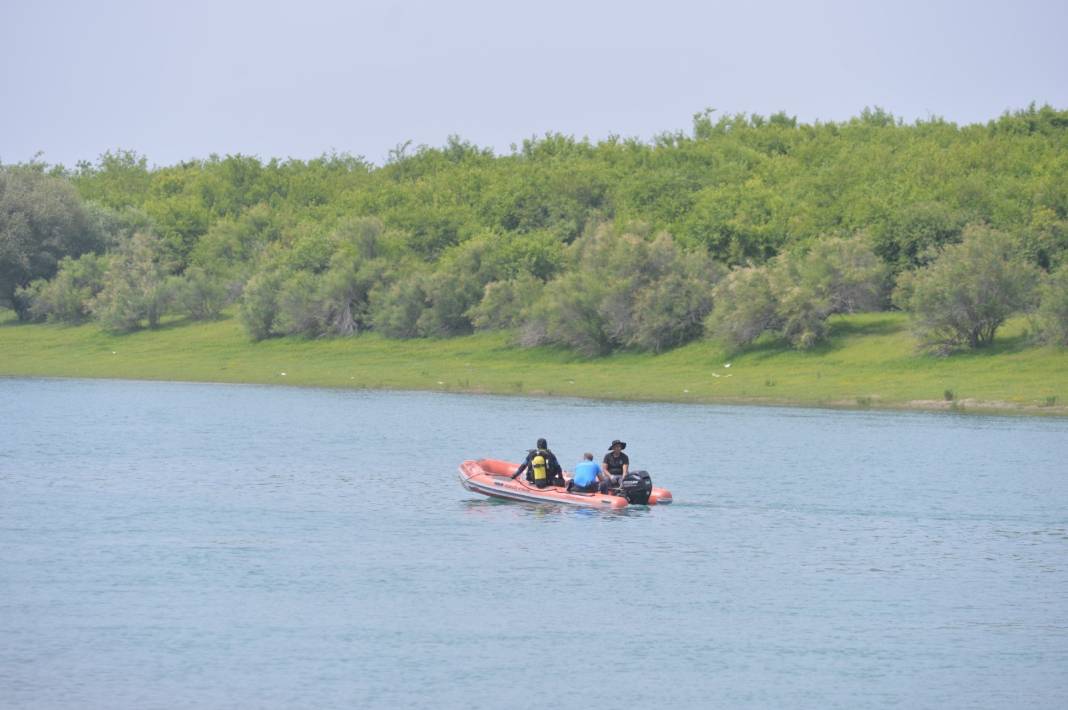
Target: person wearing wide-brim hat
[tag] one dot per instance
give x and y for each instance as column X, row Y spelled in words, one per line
column 616, row 463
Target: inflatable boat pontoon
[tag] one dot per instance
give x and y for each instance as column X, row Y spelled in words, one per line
column 492, row 477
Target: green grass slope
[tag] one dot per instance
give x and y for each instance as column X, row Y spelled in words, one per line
column 869, row 361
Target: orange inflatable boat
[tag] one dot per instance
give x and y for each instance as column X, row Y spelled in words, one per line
column 492, row 477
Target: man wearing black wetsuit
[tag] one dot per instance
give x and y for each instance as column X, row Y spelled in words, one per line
column 552, row 466
column 616, row 463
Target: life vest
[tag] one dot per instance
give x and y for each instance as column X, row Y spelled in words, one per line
column 539, row 464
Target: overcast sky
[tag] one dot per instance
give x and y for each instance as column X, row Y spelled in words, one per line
column 180, row 80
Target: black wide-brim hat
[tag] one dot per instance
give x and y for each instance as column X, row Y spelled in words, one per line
column 622, row 444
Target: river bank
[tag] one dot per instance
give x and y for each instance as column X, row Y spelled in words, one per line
column 870, row 361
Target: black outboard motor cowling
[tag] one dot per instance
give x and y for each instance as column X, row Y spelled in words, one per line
column 636, row 487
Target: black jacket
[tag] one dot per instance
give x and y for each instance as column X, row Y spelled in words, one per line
column 614, row 463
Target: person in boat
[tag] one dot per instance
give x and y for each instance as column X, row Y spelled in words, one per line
column 542, row 467
column 616, row 463
column 588, row 477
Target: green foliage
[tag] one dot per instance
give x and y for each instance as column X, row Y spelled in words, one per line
column 844, row 273
column 745, row 307
column 459, row 282
column 968, row 291
column 42, row 219
column 320, row 286
column 623, row 292
column 114, row 227
column 300, row 311
column 233, row 242
column 803, row 309
column 1031, row 120
column 137, row 289
column 1044, row 241
column 440, row 241
column 506, row 304
column 793, row 296
column 743, row 186
column 199, row 294
column 119, row 180
column 670, row 311
column 66, row 298
column 259, row 303
column 1052, row 315
column 180, row 219
column 909, row 235
column 344, row 290
column 396, row 308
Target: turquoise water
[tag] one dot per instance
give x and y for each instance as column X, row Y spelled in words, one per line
column 172, row 545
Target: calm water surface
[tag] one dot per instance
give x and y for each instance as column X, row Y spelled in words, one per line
column 178, row 545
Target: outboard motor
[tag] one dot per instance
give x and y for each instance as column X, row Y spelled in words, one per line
column 636, row 487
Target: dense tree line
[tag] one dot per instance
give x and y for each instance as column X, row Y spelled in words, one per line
column 746, row 227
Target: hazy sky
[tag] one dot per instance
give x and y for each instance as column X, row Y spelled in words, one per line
column 180, row 80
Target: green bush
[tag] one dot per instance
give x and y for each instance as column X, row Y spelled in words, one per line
column 793, row 296
column 623, row 291
column 671, row 310
column 199, row 294
column 300, row 310
column 42, row 220
column 1052, row 315
column 396, row 308
column 137, row 289
column 968, row 291
column 746, row 306
column 506, row 304
column 259, row 303
column 846, row 273
column 343, row 292
column 67, row 297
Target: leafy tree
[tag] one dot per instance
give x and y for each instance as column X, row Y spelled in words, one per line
column 42, row 220
column 746, row 306
column 178, row 214
column 569, row 313
column 449, row 297
column 911, row 233
column 843, row 272
column 236, row 242
column 968, row 291
column 344, row 291
column 119, row 180
column 623, row 292
column 200, row 294
column 300, row 311
column 1044, row 241
column 115, row 227
column 803, row 310
column 794, row 295
column 66, row 298
column 506, row 304
column 397, row 307
column 365, row 237
column 671, row 311
column 1052, row 315
column 259, row 303
column 136, row 286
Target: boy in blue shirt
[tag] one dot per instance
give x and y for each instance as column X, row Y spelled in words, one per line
column 588, row 477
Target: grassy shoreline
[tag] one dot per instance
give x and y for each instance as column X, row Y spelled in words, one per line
column 870, row 362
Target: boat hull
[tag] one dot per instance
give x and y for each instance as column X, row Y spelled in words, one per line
column 493, row 478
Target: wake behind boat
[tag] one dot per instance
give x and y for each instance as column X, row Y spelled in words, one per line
column 493, row 477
